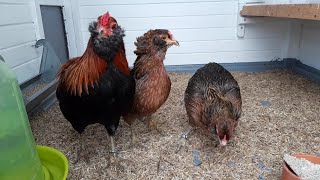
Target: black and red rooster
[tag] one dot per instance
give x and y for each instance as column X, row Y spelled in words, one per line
column 97, row 87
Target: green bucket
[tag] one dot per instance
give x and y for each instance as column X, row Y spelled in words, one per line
column 20, row 158
column 54, row 163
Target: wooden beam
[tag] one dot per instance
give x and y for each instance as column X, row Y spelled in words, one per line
column 295, row 11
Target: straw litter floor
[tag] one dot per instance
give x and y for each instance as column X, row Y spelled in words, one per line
column 289, row 125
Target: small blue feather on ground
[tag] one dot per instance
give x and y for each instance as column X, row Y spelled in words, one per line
column 265, row 103
column 196, row 158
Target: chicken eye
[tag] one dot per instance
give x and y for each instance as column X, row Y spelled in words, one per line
column 113, row 26
column 164, row 37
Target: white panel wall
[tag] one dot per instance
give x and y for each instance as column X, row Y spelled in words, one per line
column 304, row 37
column 303, row 1
column 278, row 1
column 17, row 35
column 291, row 1
column 309, row 47
column 206, row 30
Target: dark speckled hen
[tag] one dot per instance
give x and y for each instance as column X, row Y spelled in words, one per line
column 152, row 81
column 213, row 101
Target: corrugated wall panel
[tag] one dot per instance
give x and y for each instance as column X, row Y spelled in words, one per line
column 18, row 35
column 205, row 29
column 309, row 48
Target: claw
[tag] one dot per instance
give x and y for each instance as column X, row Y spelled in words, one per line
column 183, row 140
column 182, row 143
column 115, row 153
column 184, row 136
column 116, row 162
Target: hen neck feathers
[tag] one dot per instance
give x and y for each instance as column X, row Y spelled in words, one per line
column 148, row 63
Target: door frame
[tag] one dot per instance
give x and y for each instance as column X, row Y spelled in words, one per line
column 70, row 12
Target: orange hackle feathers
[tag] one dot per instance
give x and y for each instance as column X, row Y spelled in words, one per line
column 120, row 61
column 80, row 73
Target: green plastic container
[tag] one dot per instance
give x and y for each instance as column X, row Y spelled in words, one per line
column 19, row 159
column 54, row 163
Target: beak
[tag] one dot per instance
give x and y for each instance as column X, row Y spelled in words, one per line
column 172, row 42
column 223, row 141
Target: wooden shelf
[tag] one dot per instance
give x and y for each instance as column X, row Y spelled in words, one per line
column 295, row 11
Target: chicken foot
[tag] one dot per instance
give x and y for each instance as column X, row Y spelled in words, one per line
column 113, row 154
column 114, row 158
column 184, row 139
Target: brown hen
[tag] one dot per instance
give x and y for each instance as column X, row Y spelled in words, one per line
column 213, row 102
column 152, row 81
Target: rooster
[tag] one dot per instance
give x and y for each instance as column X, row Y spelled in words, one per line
column 213, row 102
column 97, row 87
column 153, row 84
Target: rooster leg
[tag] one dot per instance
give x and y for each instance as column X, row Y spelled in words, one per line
column 184, row 139
column 113, row 147
column 115, row 159
column 80, row 147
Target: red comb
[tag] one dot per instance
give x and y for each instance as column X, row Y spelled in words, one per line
column 104, row 19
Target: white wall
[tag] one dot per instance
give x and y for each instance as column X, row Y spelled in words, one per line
column 206, row 30
column 21, row 26
column 304, row 37
column 309, row 45
column 279, row 1
column 291, row 1
column 17, row 35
